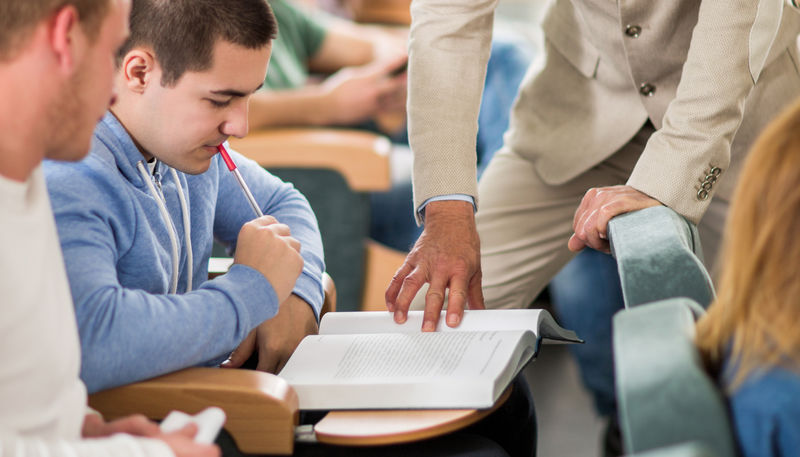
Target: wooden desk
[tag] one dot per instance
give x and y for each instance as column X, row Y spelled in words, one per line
column 371, row 428
column 262, row 410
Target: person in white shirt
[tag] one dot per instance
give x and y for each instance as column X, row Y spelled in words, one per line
column 56, row 65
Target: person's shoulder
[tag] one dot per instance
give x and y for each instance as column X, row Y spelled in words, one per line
column 96, row 177
column 765, row 410
column 98, row 165
column 768, row 393
column 775, row 388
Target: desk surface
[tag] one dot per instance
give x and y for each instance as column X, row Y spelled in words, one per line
column 369, row 428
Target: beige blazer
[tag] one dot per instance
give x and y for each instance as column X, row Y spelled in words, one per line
column 707, row 73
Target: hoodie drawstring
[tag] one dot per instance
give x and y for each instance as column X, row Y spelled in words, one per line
column 171, row 227
column 187, row 228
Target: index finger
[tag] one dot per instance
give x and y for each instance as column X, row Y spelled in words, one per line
column 408, row 290
column 266, row 220
column 394, row 286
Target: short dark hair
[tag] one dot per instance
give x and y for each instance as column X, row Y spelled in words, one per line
column 182, row 33
column 18, row 18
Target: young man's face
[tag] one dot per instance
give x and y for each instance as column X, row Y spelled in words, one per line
column 88, row 94
column 183, row 124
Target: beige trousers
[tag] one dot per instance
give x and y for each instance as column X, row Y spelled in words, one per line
column 524, row 223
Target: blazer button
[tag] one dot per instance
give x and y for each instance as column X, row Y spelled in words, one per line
column 647, row 89
column 633, row 31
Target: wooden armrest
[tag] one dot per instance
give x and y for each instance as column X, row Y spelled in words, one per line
column 382, row 263
column 361, row 157
column 381, row 11
column 261, row 408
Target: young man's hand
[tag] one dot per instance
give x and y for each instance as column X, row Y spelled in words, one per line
column 277, row 338
column 267, row 246
column 357, row 94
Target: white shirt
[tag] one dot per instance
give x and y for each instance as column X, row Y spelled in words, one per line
column 42, row 400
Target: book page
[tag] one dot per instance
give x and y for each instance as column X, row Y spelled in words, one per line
column 538, row 321
column 404, row 370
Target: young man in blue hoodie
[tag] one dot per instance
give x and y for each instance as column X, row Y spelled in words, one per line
column 136, row 270
column 138, row 217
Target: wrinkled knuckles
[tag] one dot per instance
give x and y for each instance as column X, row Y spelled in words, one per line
column 434, row 295
column 414, row 281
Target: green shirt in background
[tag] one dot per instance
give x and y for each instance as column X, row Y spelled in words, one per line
column 299, row 38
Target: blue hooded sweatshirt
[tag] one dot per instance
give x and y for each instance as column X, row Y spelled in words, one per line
column 142, row 297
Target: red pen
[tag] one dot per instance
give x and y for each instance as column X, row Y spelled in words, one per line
column 242, row 184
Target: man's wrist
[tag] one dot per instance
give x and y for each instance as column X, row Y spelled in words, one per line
column 460, row 200
column 446, row 213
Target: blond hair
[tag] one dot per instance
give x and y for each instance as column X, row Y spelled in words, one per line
column 755, row 320
column 18, row 18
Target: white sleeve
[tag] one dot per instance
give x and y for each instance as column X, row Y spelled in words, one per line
column 119, row 445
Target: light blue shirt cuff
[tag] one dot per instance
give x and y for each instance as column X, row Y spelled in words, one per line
column 438, row 198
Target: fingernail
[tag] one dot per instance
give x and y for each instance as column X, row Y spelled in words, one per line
column 452, row 320
column 428, row 326
column 226, row 363
column 398, row 317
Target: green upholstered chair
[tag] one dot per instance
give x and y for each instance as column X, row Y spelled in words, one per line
column 665, row 397
column 693, row 449
column 659, row 256
column 668, row 405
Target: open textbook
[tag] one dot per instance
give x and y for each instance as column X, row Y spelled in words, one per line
column 364, row 360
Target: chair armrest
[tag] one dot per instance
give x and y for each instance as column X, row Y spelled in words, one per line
column 382, row 263
column 680, row 450
column 658, row 256
column 664, row 395
column 361, row 157
column 381, row 11
column 261, row 408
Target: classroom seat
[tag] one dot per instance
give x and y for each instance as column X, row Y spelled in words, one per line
column 665, row 396
column 668, row 404
column 659, row 256
column 394, row 12
column 692, row 449
column 261, row 408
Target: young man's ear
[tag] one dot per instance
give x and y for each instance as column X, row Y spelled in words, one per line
column 66, row 38
column 138, row 69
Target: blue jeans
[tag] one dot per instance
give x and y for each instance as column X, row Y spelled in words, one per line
column 585, row 295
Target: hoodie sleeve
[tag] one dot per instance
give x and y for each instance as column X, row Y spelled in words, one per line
column 129, row 329
column 286, row 204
